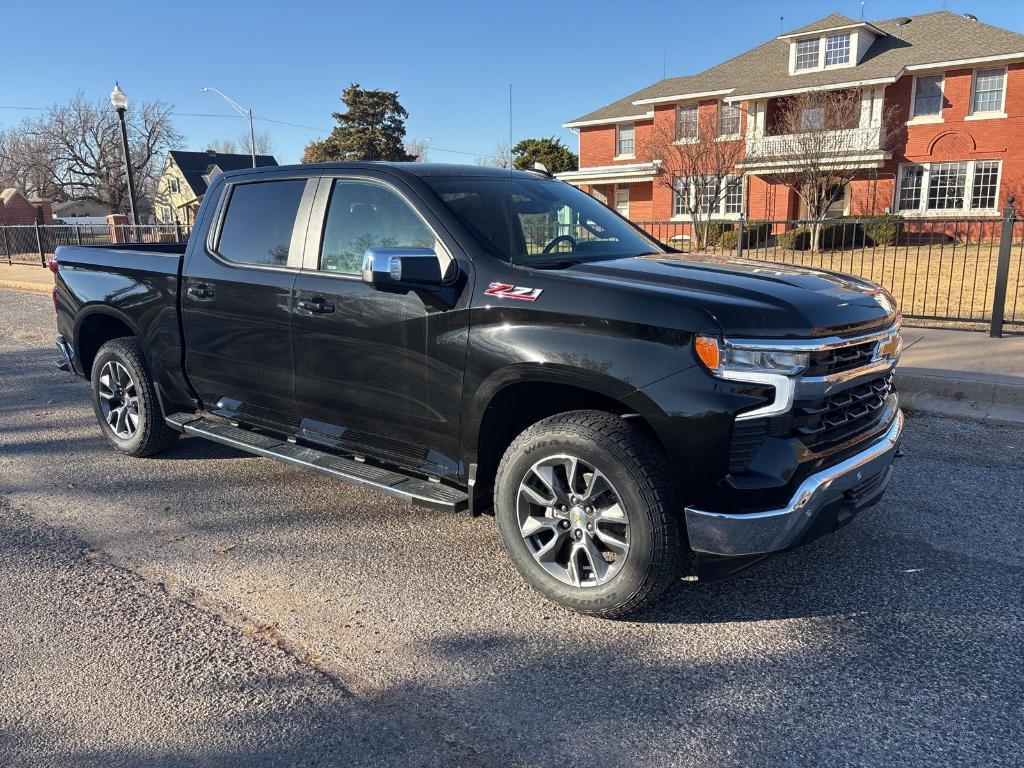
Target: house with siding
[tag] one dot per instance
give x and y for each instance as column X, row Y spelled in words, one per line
column 185, row 177
column 950, row 86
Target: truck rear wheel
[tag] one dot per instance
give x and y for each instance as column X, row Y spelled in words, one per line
column 125, row 402
column 583, row 506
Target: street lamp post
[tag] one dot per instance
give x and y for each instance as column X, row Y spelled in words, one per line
column 119, row 102
column 243, row 111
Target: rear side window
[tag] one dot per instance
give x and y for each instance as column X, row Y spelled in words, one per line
column 258, row 222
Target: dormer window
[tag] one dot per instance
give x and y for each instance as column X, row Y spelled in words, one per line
column 837, row 49
column 807, row 54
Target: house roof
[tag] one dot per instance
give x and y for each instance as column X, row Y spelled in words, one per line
column 194, row 164
column 931, row 38
column 830, row 21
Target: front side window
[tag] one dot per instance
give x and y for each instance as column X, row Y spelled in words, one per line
column 946, row 186
column 837, row 49
column 807, row 54
column 364, row 215
column 928, row 96
column 687, row 122
column 625, row 141
column 988, row 90
column 516, row 218
column 728, row 119
column 258, row 222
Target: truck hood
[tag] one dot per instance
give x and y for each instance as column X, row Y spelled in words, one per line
column 755, row 298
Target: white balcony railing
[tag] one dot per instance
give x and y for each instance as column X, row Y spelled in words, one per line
column 852, row 141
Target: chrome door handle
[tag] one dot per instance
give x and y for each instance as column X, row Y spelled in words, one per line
column 200, row 291
column 316, row 306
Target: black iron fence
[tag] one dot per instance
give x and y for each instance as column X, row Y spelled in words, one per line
column 956, row 272
column 36, row 243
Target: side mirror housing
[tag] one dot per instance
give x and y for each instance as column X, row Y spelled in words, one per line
column 402, row 268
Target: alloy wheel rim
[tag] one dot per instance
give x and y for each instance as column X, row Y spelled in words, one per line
column 573, row 521
column 119, row 400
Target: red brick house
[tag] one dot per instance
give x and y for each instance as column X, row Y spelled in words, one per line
column 15, row 208
column 953, row 86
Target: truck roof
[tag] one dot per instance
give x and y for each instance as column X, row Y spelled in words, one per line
column 413, row 169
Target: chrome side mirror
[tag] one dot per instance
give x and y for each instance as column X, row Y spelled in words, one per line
column 404, row 268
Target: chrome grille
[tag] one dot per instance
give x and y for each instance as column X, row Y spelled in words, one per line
column 827, row 362
column 821, row 424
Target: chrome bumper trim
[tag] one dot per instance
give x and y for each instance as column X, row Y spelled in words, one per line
column 754, row 533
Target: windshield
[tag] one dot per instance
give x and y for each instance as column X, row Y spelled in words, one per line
column 537, row 221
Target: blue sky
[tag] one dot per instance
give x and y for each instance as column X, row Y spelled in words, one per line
column 451, row 62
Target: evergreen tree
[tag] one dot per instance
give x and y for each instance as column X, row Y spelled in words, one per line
column 371, row 128
column 555, row 156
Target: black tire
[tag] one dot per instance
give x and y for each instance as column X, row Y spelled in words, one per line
column 151, row 434
column 639, row 471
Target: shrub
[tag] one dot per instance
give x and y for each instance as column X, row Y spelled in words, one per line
column 715, row 229
column 727, row 242
column 882, row 230
column 798, row 239
column 755, row 233
column 842, row 235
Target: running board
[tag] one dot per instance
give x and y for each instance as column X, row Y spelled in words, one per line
column 422, row 492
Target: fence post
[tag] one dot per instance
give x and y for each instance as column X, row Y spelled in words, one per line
column 7, row 246
column 78, row 233
column 39, row 246
column 1002, row 270
column 739, row 238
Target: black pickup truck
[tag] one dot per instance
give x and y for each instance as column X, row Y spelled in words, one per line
column 483, row 339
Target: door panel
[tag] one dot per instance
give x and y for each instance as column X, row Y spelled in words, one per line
column 380, row 373
column 236, row 304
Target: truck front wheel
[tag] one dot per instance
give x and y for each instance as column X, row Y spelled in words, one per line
column 583, row 502
column 125, row 402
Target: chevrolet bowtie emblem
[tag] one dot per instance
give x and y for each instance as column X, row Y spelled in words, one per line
column 889, row 347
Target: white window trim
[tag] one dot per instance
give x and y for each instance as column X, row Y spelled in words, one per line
column 850, row 52
column 991, row 114
column 718, row 215
column 619, row 189
column 739, row 124
column 822, row 38
column 687, row 139
column 618, row 130
column 927, row 119
column 948, row 213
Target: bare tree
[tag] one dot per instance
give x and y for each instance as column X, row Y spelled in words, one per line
column 241, row 145
column 500, row 158
column 819, row 148
column 417, row 149
column 695, row 164
column 73, row 151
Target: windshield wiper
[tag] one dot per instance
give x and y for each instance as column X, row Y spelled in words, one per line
column 559, row 263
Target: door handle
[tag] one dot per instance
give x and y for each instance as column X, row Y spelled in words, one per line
column 200, row 291
column 316, row 306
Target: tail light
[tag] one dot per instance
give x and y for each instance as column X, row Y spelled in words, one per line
column 52, row 264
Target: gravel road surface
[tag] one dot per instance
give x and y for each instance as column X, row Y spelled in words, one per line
column 206, row 607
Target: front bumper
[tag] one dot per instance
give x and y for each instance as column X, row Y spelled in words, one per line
column 757, row 533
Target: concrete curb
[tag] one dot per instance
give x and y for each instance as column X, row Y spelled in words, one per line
column 21, row 285
column 991, row 402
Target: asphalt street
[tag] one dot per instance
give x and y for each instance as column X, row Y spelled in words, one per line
column 205, row 607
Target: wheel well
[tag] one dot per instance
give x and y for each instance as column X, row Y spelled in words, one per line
column 95, row 331
column 519, row 406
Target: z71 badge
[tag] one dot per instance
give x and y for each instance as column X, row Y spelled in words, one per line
column 506, row 291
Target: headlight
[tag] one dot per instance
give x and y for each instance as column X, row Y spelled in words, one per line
column 721, row 360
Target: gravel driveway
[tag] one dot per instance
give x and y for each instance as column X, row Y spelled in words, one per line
column 205, row 607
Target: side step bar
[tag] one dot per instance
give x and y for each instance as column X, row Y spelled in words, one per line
column 421, row 492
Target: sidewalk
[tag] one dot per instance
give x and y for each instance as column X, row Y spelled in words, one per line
column 962, row 374
column 26, row 277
